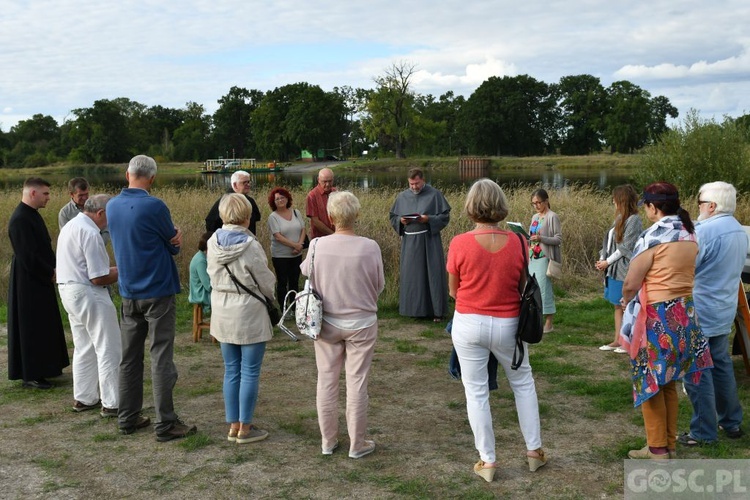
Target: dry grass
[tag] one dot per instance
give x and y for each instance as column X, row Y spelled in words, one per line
column 585, row 216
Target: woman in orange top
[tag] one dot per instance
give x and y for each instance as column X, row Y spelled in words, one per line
column 486, row 319
column 660, row 330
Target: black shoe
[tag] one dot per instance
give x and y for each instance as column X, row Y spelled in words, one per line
column 734, row 433
column 37, row 384
column 177, row 431
column 685, row 439
column 140, row 423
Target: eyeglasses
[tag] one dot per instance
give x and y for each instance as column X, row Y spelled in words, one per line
column 280, row 198
column 702, row 202
column 535, row 203
column 246, row 183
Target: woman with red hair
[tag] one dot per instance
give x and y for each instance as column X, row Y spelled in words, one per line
column 287, row 228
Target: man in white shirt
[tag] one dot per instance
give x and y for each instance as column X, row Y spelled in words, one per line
column 83, row 273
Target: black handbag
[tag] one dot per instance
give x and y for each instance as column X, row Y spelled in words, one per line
column 531, row 319
column 273, row 310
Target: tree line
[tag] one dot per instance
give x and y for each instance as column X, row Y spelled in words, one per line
column 517, row 115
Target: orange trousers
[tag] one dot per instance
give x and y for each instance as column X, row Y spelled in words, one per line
column 660, row 417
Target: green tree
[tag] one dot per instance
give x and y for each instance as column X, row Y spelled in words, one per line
column 390, row 109
column 101, row 133
column 315, row 120
column 268, row 122
column 34, row 142
column 626, row 124
column 743, row 123
column 191, row 139
column 444, row 113
column 695, row 152
column 510, row 116
column 660, row 109
column 582, row 104
column 298, row 116
column 232, row 131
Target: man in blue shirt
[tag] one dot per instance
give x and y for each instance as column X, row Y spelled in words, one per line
column 144, row 240
column 723, row 248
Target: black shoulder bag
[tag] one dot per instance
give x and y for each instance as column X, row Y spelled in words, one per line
column 273, row 311
column 531, row 319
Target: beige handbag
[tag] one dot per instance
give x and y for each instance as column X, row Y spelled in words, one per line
column 554, row 269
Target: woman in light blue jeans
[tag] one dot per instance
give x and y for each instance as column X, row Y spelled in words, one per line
column 238, row 268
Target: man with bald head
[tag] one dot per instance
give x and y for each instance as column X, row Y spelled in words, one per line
column 317, row 205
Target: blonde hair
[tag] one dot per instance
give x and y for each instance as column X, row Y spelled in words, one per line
column 234, row 208
column 486, row 202
column 343, row 208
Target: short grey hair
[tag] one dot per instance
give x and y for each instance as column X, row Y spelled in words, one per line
column 721, row 193
column 237, row 175
column 343, row 209
column 486, row 202
column 142, row 166
column 96, row 203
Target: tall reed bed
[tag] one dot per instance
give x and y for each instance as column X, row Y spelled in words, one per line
column 586, row 214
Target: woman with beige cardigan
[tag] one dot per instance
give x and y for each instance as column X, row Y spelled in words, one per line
column 237, row 263
column 545, row 240
column 347, row 272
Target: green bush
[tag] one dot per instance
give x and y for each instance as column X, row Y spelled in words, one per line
column 696, row 152
column 35, row 160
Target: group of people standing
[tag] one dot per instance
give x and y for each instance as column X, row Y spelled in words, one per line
column 673, row 288
column 108, row 356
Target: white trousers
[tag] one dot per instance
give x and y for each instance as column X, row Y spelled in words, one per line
column 474, row 336
column 97, row 344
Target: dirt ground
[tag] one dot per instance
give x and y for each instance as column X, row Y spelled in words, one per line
column 417, row 418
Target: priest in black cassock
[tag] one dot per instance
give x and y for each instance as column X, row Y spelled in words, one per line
column 418, row 215
column 36, row 340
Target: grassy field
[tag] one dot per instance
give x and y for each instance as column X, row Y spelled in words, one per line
column 417, row 418
column 417, row 413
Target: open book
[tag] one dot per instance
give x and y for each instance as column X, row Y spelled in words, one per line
column 517, row 227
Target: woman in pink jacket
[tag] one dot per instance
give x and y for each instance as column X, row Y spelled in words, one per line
column 347, row 272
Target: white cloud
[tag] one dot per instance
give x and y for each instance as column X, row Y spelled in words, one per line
column 59, row 55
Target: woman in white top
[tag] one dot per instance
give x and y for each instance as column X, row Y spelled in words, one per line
column 347, row 272
column 287, row 228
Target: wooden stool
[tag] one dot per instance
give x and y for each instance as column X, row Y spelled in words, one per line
column 198, row 324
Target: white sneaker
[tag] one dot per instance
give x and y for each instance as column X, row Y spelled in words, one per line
column 620, row 350
column 607, row 347
column 366, row 450
column 329, row 451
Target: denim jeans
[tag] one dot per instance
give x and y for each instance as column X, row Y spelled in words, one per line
column 714, row 398
column 241, row 379
column 474, row 337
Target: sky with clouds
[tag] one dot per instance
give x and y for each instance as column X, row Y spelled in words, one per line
column 59, row 55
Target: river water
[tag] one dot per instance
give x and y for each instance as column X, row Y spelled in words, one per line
column 362, row 177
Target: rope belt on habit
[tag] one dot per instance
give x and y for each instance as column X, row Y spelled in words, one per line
column 418, row 232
